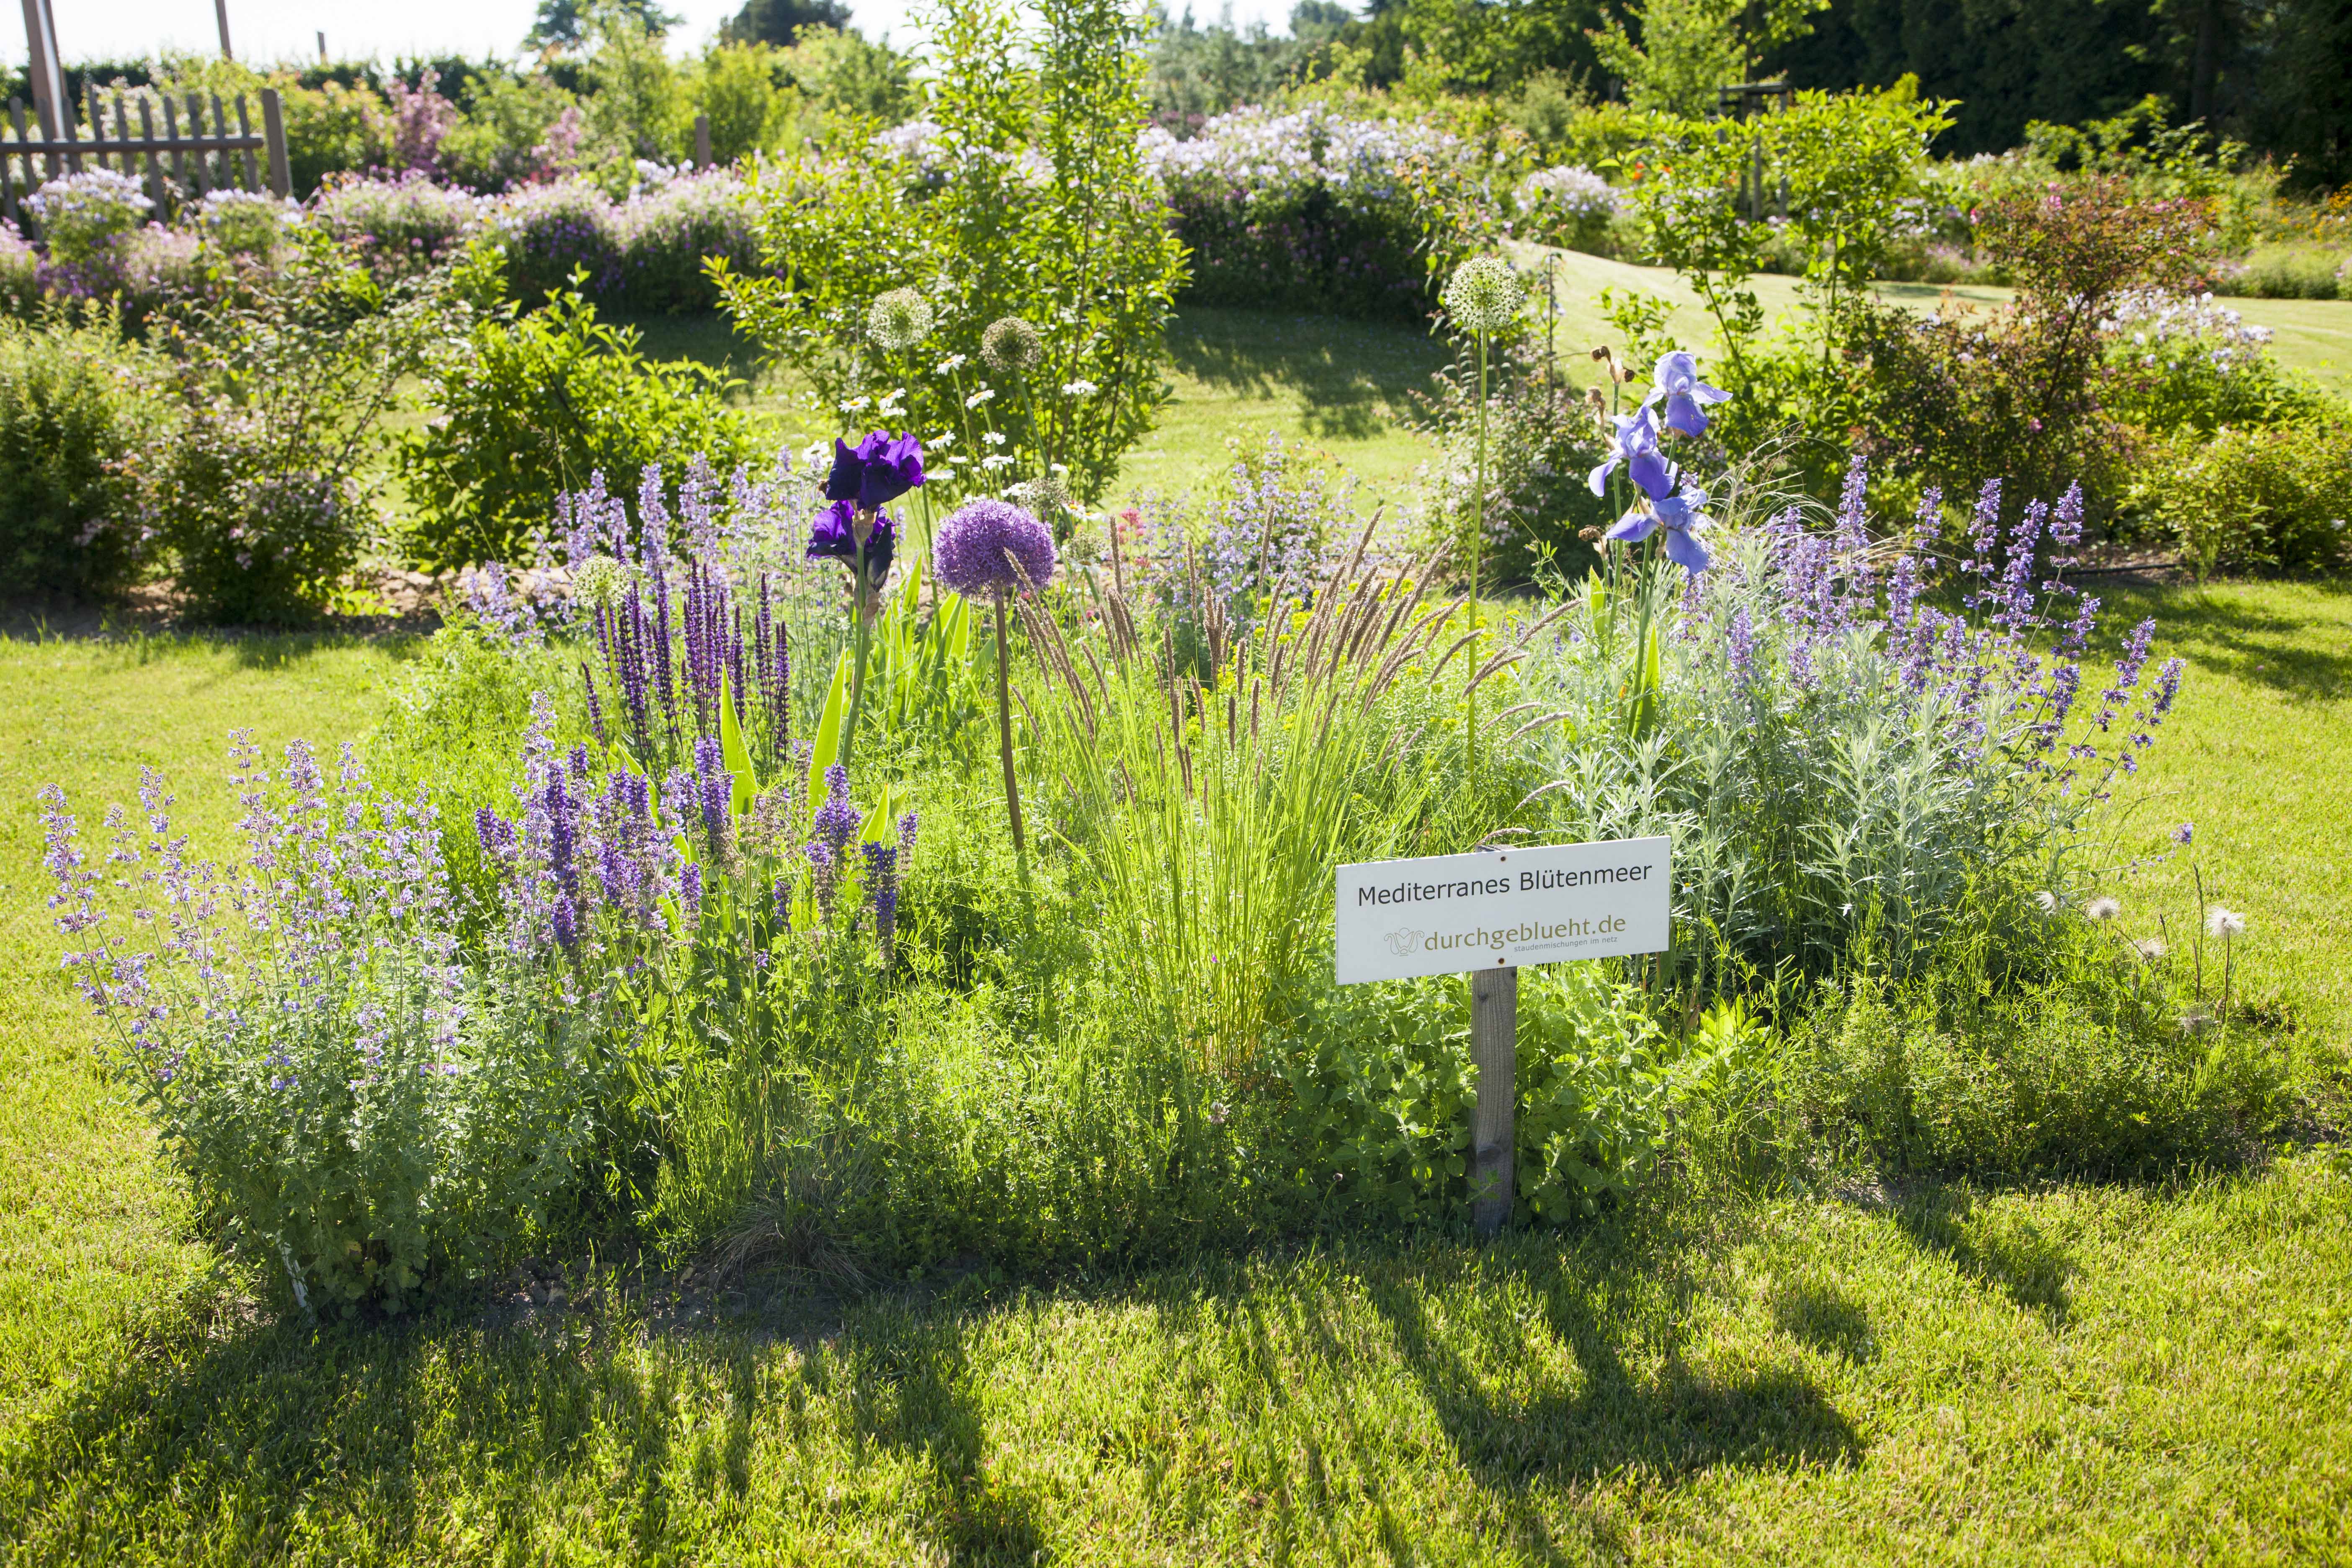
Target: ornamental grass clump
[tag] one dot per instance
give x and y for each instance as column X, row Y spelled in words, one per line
column 1207, row 810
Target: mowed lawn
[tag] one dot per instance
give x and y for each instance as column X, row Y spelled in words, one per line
column 2067, row 1374
column 1884, row 1374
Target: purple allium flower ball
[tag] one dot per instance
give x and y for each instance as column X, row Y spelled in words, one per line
column 981, row 540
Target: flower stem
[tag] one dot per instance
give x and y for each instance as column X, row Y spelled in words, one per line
column 1004, row 745
column 865, row 640
column 1477, row 547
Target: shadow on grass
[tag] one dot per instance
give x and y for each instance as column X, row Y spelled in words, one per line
column 1998, row 1246
column 149, row 639
column 1539, row 1360
column 2226, row 629
column 1352, row 378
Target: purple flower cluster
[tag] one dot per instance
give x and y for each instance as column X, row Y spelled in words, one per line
column 2008, row 680
column 673, row 641
column 989, row 547
column 1666, row 499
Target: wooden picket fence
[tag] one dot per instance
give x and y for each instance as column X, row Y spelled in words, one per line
column 178, row 162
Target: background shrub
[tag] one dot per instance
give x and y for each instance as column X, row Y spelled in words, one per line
column 263, row 493
column 2253, row 497
column 75, row 400
column 529, row 407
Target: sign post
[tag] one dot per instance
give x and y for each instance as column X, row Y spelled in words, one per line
column 1487, row 913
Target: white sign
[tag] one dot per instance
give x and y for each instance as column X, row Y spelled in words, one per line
column 1535, row 904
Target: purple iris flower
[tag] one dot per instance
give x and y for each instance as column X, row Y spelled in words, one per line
column 834, row 536
column 1636, row 447
column 1678, row 514
column 878, row 469
column 1676, row 381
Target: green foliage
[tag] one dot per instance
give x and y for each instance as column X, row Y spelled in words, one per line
column 636, row 98
column 499, row 140
column 75, row 401
column 1379, row 1088
column 2083, row 1066
column 736, row 88
column 2258, row 497
column 261, row 491
column 841, row 74
column 1082, row 254
column 527, row 407
column 1689, row 48
column 333, row 129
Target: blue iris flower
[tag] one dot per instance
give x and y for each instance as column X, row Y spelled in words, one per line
column 1636, row 447
column 1676, row 380
column 834, row 537
column 1679, row 515
column 878, row 470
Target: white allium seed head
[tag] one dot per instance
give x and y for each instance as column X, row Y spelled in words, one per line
column 1011, row 344
column 2222, row 922
column 898, row 320
column 1484, row 294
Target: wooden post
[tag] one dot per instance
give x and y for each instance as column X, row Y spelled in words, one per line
column 220, row 11
column 154, row 164
column 48, row 81
column 273, row 129
column 702, row 141
column 1494, row 1048
column 245, row 128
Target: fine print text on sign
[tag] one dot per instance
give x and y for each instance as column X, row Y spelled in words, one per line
column 1540, row 903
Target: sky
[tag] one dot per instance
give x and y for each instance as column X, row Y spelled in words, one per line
column 268, row 30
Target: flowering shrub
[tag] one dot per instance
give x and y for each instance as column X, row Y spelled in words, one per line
column 75, row 401
column 550, row 233
column 82, row 216
column 2185, row 362
column 361, row 1107
column 244, row 223
column 262, row 493
column 664, row 236
column 1570, row 204
column 398, row 227
column 1310, row 211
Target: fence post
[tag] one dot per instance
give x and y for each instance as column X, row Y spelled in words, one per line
column 702, row 141
column 1494, row 1050
column 273, row 131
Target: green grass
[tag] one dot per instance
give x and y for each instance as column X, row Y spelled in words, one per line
column 1236, row 377
column 2314, row 336
column 2070, row 1373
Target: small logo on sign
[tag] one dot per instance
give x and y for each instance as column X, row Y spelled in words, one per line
column 1403, row 943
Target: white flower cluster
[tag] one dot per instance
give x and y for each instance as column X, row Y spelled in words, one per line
column 95, row 194
column 1573, row 189
column 2157, row 315
column 927, row 144
column 1263, row 152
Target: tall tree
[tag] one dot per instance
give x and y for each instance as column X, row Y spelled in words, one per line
column 780, row 22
